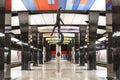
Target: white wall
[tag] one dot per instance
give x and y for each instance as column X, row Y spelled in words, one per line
column 14, row 57
column 101, row 56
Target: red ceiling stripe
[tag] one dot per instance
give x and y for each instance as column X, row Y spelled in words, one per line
column 36, row 2
column 54, row 6
column 83, row 1
column 42, row 4
column 8, row 4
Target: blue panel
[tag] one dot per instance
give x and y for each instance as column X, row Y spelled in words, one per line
column 109, row 5
column 76, row 4
column 69, row 5
column 81, row 7
column 29, row 4
column 89, row 4
column 62, row 4
column 51, row 2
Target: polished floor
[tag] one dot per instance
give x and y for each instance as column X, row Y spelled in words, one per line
column 69, row 71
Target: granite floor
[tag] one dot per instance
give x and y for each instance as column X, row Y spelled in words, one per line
column 68, row 71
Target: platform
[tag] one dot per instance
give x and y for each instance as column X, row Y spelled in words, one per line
column 69, row 71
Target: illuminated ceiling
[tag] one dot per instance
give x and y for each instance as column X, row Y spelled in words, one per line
column 68, row 18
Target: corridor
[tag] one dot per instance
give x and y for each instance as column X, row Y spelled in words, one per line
column 68, row 71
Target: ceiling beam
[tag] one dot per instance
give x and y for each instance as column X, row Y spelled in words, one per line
column 15, row 13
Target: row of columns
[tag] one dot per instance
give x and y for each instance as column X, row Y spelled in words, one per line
column 113, row 44
column 5, row 42
column 91, row 31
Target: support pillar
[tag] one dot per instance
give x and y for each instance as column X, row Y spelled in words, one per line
column 41, row 49
column 73, row 54
column 69, row 49
column 75, row 48
column 93, row 23
column 58, row 57
column 2, row 29
column 44, row 54
column 24, row 27
column 34, row 31
column 8, row 46
column 116, row 37
column 82, row 44
column 48, row 55
column 110, row 71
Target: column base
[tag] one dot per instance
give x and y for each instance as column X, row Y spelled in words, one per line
column 8, row 78
column 111, row 78
column 82, row 64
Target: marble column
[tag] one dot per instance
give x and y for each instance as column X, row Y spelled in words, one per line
column 76, row 49
column 48, row 55
column 58, row 57
column 93, row 23
column 82, row 44
column 116, row 37
column 8, row 40
column 24, row 27
column 34, row 33
column 110, row 72
column 69, row 49
column 2, row 29
column 41, row 49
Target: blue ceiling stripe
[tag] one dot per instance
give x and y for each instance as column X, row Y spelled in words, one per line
column 81, row 6
column 29, row 4
column 69, row 5
column 76, row 4
column 89, row 4
column 62, row 4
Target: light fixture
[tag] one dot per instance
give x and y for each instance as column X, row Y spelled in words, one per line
column 85, row 46
column 20, row 43
column 102, row 39
column 2, row 34
column 14, row 39
column 116, row 34
column 97, row 42
column 31, row 46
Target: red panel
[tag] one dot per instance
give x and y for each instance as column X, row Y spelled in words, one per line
column 8, row 4
column 42, row 4
column 53, row 52
column 83, row 1
column 54, row 6
column 63, row 52
column 36, row 4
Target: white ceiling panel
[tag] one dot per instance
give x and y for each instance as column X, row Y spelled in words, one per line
column 15, row 21
column 99, row 5
column 36, row 19
column 17, row 31
column 100, row 31
column 102, row 21
column 68, row 18
column 39, row 19
column 69, row 34
column 80, row 19
column 17, row 5
column 48, row 18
